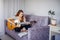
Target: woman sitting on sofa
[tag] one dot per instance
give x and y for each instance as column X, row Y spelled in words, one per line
column 21, row 18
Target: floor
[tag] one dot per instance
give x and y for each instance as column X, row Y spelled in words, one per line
column 6, row 37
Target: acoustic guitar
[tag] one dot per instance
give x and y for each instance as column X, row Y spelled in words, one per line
column 10, row 24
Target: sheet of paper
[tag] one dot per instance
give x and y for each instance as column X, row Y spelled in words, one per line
column 21, row 34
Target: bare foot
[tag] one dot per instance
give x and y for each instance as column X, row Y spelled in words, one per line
column 23, row 30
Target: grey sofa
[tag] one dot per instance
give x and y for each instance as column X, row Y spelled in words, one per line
column 38, row 31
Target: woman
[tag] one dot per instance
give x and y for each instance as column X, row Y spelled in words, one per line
column 21, row 18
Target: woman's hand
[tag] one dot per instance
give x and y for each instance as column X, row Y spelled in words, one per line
column 27, row 22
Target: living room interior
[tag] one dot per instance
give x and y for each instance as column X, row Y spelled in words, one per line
column 47, row 26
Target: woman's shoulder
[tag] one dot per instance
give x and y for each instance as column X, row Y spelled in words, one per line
column 16, row 21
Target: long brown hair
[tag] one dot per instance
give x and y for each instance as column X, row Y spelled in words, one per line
column 22, row 19
column 19, row 12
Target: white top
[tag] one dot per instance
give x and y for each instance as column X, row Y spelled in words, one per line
column 17, row 21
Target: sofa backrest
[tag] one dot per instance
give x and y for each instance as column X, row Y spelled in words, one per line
column 41, row 20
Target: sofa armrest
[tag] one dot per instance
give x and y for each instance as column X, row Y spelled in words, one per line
column 38, row 33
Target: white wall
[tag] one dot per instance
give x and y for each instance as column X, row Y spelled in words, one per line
column 12, row 6
column 1, row 18
column 41, row 7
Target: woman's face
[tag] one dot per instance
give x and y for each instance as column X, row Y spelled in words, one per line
column 21, row 14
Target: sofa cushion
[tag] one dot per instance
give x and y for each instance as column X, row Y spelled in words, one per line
column 38, row 33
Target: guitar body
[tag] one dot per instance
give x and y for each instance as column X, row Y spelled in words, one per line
column 10, row 25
